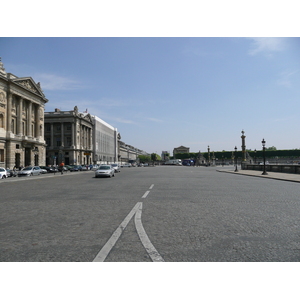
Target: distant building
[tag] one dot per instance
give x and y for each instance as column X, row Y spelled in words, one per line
column 130, row 154
column 165, row 155
column 180, row 149
column 105, row 142
column 68, row 135
column 22, row 103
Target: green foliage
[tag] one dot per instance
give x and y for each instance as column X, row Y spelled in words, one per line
column 270, row 152
column 155, row 157
column 144, row 158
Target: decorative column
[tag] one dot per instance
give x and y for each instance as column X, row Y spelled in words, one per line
column 52, row 136
column 37, row 121
column 73, row 136
column 243, row 146
column 8, row 120
column 62, row 134
column 20, row 116
column 29, row 115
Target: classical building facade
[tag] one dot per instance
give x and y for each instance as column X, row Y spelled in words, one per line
column 180, row 149
column 129, row 153
column 68, row 136
column 22, row 103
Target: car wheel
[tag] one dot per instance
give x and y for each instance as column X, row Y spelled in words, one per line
column 31, row 174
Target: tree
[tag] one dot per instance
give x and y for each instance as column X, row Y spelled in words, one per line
column 273, row 148
column 144, row 158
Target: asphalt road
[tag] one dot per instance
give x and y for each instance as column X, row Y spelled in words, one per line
column 165, row 213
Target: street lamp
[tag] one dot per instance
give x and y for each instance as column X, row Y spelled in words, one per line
column 208, row 149
column 236, row 168
column 255, row 156
column 264, row 156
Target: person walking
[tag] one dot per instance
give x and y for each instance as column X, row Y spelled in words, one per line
column 62, row 168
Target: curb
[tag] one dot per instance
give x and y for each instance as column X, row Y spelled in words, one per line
column 261, row 176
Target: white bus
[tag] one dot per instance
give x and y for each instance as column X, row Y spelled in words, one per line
column 176, row 162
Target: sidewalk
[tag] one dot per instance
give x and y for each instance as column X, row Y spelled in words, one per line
column 271, row 175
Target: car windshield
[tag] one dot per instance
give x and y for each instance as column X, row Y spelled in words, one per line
column 104, row 167
column 114, row 165
column 27, row 168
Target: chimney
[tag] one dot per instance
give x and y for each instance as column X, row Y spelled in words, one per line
column 57, row 110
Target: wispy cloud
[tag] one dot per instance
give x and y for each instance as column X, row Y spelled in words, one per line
column 121, row 120
column 267, row 45
column 55, row 82
column 286, row 78
column 155, row 120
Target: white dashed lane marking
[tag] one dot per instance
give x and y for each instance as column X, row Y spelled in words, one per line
column 146, row 194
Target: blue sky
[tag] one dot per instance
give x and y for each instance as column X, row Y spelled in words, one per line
column 162, row 92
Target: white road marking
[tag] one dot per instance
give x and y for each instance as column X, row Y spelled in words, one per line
column 146, row 194
column 144, row 237
column 101, row 256
column 137, row 212
column 152, row 185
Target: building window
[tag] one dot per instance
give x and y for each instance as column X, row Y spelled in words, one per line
column 17, row 146
column 13, row 126
column 1, row 121
column 48, row 127
column 58, row 128
column 69, row 141
column 1, row 155
column 58, row 142
column 69, row 127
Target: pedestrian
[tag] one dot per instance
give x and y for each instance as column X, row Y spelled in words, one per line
column 62, row 167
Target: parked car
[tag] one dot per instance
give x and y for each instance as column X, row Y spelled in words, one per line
column 126, row 165
column 3, row 173
column 30, row 171
column 105, row 171
column 85, row 168
column 116, row 167
column 43, row 170
column 75, row 168
column 11, row 173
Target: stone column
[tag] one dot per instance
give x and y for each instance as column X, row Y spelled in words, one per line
column 29, row 113
column 37, row 121
column 52, row 135
column 62, row 134
column 243, row 146
column 20, row 113
column 8, row 119
column 73, row 135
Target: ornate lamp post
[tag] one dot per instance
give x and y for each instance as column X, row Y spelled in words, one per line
column 208, row 150
column 264, row 156
column 255, row 156
column 236, row 168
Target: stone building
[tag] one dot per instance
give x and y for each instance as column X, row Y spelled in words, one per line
column 105, row 141
column 180, row 149
column 22, row 103
column 68, row 136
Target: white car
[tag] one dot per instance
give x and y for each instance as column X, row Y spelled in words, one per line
column 30, row 171
column 116, row 167
column 105, row 171
column 3, row 173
